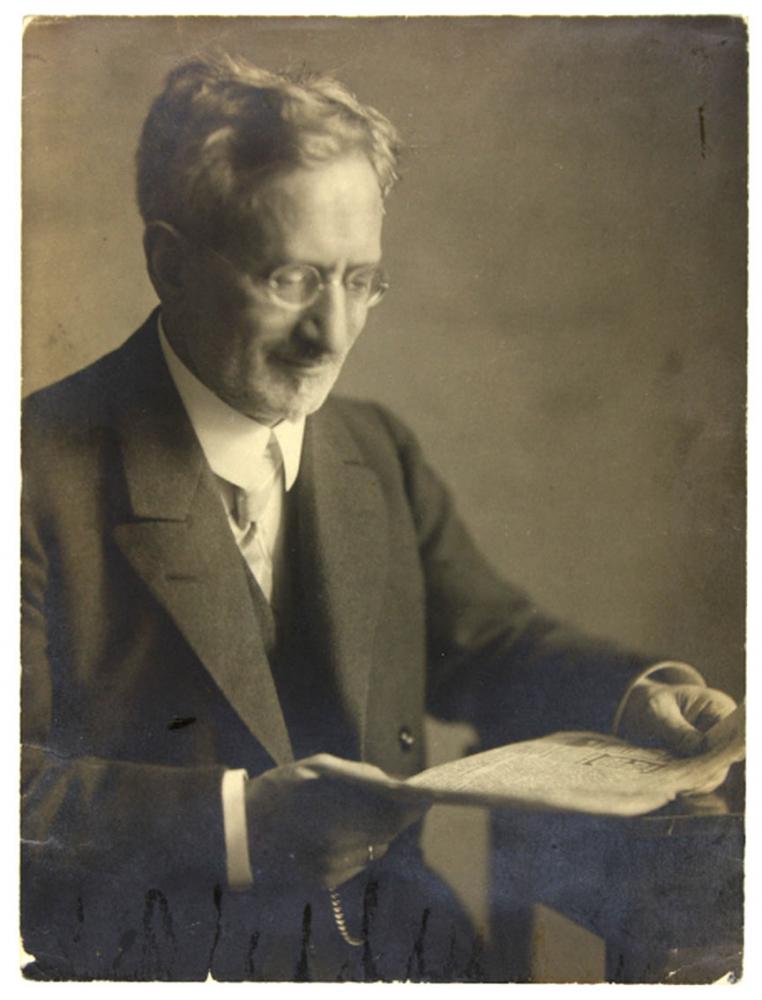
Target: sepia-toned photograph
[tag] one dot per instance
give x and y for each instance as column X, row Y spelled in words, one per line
column 384, row 499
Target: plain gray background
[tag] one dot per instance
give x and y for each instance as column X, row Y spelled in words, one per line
column 566, row 329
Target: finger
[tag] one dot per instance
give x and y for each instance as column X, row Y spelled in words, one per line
column 729, row 730
column 337, row 869
column 672, row 729
column 359, row 857
column 350, row 770
column 711, row 708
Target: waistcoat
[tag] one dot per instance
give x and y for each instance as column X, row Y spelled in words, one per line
column 304, row 680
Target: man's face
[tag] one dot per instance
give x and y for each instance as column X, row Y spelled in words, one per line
column 267, row 360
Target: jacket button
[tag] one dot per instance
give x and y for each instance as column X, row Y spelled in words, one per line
column 406, row 738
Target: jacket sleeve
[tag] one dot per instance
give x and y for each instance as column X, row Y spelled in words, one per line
column 77, row 806
column 109, row 847
column 494, row 658
column 88, row 823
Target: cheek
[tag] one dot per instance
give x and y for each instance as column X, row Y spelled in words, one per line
column 257, row 332
column 230, row 308
column 356, row 320
column 252, row 326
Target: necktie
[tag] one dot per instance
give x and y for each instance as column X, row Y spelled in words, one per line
column 250, row 512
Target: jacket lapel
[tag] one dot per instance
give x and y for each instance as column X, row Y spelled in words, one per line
column 343, row 533
column 176, row 538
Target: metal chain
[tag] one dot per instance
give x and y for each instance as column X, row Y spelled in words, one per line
column 341, row 921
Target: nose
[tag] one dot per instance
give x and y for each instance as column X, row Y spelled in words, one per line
column 324, row 325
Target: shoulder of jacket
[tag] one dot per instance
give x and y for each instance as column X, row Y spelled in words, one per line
column 75, row 406
column 369, row 419
column 91, row 387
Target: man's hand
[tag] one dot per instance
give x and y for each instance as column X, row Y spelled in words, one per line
column 311, row 826
column 676, row 717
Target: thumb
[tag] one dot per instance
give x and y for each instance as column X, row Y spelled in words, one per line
column 674, row 731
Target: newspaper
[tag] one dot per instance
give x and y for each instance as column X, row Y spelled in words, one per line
column 569, row 772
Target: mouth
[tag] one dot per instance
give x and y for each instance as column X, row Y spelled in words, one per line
column 303, row 364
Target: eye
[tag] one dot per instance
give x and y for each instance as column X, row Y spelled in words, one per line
column 362, row 281
column 294, row 282
column 290, row 277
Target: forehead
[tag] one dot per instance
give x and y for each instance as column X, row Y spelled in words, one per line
column 325, row 214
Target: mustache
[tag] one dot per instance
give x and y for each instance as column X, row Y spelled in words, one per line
column 308, row 355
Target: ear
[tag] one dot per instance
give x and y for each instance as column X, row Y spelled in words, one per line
column 165, row 251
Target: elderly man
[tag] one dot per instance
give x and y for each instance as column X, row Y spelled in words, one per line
column 227, row 573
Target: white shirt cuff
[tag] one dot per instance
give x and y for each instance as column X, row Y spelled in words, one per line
column 671, row 671
column 236, row 832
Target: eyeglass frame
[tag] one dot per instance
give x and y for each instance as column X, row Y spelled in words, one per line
column 266, row 280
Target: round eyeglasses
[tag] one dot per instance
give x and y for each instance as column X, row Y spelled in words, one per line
column 299, row 286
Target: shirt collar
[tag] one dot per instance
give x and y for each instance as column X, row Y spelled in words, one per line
column 232, row 443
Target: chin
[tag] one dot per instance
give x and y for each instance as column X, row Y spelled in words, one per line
column 289, row 404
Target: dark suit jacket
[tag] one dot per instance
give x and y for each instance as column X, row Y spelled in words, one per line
column 138, row 618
